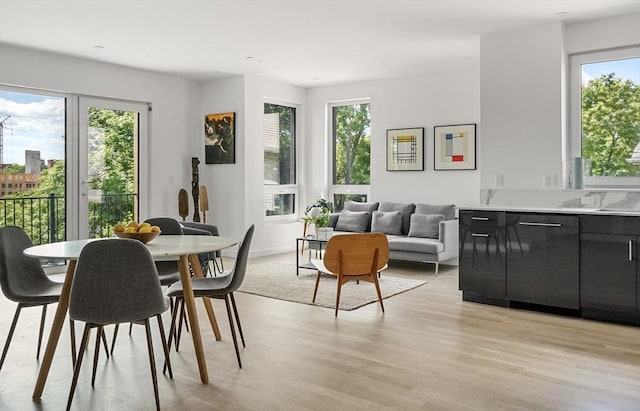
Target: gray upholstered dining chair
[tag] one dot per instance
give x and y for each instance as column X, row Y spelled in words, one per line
column 221, row 287
column 24, row 281
column 214, row 256
column 116, row 281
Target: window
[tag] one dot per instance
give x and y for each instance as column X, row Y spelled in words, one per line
column 279, row 133
column 605, row 115
column 351, row 143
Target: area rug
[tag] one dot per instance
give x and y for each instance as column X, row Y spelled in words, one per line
column 279, row 281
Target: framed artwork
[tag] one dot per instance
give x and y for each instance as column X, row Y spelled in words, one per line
column 454, row 147
column 220, row 138
column 405, row 149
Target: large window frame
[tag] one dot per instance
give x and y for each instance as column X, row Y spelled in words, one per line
column 360, row 192
column 575, row 111
column 273, row 190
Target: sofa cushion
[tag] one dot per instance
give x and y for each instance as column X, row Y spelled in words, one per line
column 425, row 225
column 358, row 206
column 354, row 221
column 389, row 222
column 415, row 244
column 447, row 210
column 405, row 209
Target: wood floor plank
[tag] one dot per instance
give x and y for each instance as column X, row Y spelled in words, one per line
column 428, row 351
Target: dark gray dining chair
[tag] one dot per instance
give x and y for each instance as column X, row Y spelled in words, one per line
column 24, row 281
column 221, row 287
column 116, row 281
column 214, row 256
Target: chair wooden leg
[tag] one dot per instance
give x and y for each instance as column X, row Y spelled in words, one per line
column 338, row 295
column 235, row 311
column 76, row 369
column 42, row 318
column 113, row 339
column 167, row 360
column 152, row 363
column 233, row 331
column 96, row 355
column 10, row 335
column 375, row 281
column 72, row 333
column 315, row 290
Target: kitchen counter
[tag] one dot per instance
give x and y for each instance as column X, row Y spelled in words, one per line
column 554, row 210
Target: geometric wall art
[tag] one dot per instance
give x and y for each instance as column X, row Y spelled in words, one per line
column 454, row 147
column 405, row 149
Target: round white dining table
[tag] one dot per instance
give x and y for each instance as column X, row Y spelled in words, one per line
column 182, row 248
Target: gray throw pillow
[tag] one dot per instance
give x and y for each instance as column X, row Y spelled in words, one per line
column 425, row 225
column 447, row 210
column 354, row 221
column 389, row 222
column 406, row 209
column 358, row 206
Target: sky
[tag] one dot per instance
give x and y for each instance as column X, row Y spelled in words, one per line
column 626, row 69
column 36, row 123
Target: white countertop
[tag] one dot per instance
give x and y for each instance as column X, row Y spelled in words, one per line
column 556, row 210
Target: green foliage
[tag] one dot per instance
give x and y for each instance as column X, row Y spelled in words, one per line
column 610, row 125
column 13, row 169
column 322, row 219
column 352, row 144
column 286, row 150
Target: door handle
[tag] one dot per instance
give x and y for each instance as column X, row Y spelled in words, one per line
column 480, row 218
column 479, row 235
column 542, row 224
column 630, row 250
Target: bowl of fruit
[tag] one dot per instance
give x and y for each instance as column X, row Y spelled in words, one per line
column 144, row 232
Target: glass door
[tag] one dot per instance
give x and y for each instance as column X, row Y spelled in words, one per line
column 112, row 163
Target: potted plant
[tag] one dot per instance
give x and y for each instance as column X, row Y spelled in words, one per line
column 318, row 215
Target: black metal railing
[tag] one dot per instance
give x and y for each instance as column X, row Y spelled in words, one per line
column 43, row 218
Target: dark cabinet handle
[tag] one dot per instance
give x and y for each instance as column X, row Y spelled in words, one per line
column 542, row 224
column 480, row 218
column 479, row 235
column 630, row 250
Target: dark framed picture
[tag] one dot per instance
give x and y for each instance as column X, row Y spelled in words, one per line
column 454, row 147
column 405, row 149
column 220, row 138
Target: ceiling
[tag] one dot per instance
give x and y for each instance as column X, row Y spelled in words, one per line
column 302, row 42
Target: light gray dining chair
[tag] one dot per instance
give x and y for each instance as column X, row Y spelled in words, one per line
column 116, row 281
column 24, row 281
column 221, row 287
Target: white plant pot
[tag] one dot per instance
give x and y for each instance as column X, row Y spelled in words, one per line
column 324, row 233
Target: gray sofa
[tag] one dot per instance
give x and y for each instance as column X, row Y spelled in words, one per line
column 416, row 232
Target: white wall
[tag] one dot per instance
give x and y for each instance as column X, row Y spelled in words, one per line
column 522, row 86
column 173, row 120
column 425, row 100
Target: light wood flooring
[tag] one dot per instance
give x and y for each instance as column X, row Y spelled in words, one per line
column 429, row 351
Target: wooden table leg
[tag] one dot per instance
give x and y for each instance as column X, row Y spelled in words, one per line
column 187, row 289
column 56, row 328
column 195, row 264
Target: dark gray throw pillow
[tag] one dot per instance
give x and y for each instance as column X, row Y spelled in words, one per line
column 354, row 221
column 425, row 225
column 358, row 206
column 447, row 210
column 405, row 209
column 389, row 222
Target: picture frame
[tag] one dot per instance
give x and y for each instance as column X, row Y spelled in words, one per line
column 220, row 138
column 405, row 149
column 454, row 147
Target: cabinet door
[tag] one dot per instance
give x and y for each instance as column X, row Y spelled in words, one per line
column 608, row 272
column 482, row 253
column 543, row 259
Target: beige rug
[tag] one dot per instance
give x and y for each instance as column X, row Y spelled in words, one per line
column 279, row 281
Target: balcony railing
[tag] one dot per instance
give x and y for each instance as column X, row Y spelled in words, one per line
column 43, row 218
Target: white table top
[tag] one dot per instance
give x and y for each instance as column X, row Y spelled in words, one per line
column 161, row 247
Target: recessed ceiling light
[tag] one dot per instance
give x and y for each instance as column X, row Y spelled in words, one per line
column 315, row 78
column 562, row 13
column 98, row 47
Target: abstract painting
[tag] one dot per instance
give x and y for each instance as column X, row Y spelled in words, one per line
column 454, row 147
column 405, row 149
column 220, row 138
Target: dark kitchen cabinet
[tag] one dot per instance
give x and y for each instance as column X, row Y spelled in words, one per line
column 543, row 259
column 482, row 258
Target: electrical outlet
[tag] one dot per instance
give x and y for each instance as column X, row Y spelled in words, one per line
column 550, row 180
column 588, row 200
column 499, row 180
